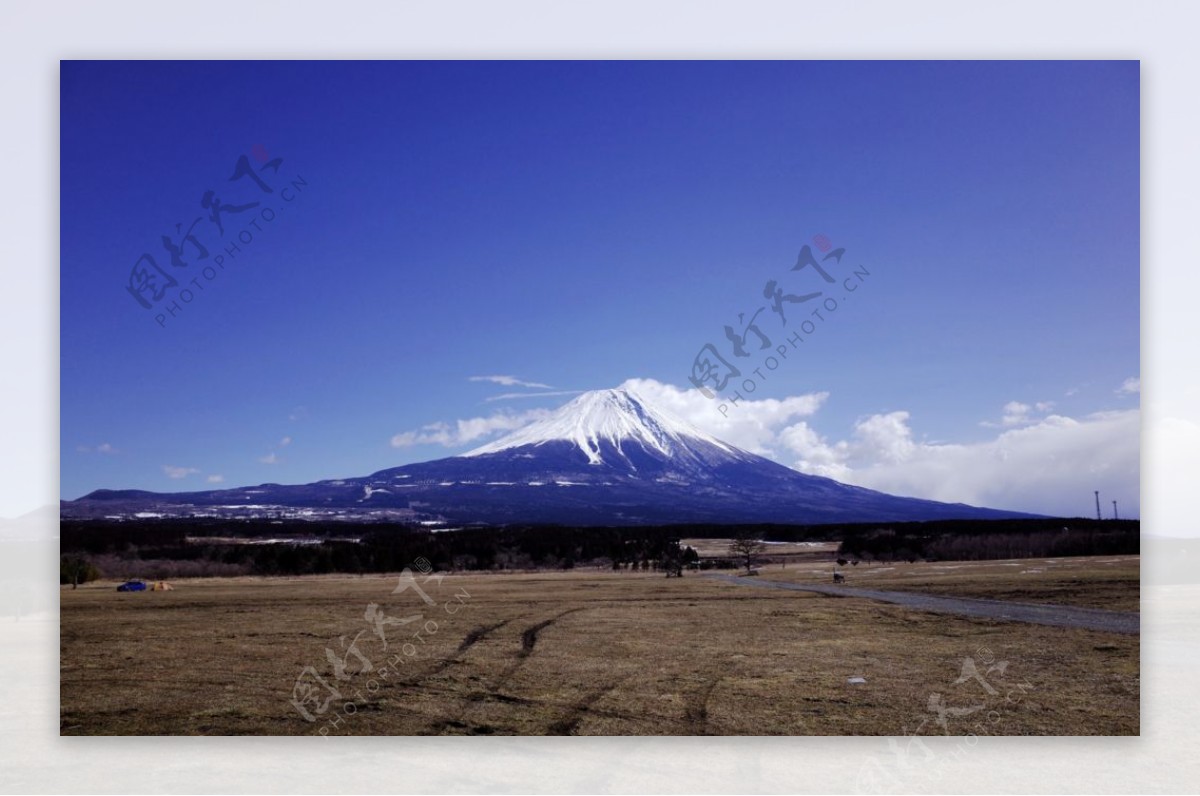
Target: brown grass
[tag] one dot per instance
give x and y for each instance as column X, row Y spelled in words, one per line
column 1109, row 582
column 579, row 653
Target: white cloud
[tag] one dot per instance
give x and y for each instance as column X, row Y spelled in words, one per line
column 885, row 438
column 1018, row 413
column 1015, row 414
column 1048, row 467
column 816, row 456
column 299, row 413
column 508, row 396
column 1130, row 386
column 273, row 457
column 215, row 479
column 511, row 381
column 178, row 472
column 103, row 447
column 750, row 425
column 462, row 432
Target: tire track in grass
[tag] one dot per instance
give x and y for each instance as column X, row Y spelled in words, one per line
column 697, row 708
column 681, row 726
column 529, row 640
column 478, row 634
column 472, row 638
column 576, row 711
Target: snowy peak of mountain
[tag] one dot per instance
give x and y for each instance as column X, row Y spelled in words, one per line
column 601, row 422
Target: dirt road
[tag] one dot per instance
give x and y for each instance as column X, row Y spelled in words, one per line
column 1056, row 615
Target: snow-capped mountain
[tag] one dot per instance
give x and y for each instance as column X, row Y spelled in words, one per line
column 605, row 458
column 605, row 424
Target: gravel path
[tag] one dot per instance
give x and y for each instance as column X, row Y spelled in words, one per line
column 1057, row 615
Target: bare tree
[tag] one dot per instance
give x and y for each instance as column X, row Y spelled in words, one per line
column 76, row 570
column 746, row 547
column 671, row 560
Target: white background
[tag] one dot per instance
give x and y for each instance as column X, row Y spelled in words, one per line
column 33, row 37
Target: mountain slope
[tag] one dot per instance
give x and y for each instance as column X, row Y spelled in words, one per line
column 605, row 458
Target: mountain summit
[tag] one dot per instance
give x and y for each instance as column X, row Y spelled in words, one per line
column 605, row 458
column 602, row 423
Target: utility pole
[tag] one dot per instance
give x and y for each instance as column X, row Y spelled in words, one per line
column 1115, row 515
column 1098, row 505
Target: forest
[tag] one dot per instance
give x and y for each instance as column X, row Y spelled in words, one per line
column 167, row 548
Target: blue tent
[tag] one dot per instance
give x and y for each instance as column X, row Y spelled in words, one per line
column 133, row 585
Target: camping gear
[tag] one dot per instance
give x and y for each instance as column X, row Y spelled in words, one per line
column 133, row 585
column 162, row 586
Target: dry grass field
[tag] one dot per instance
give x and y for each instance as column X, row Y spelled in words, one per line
column 590, row 653
column 1108, row 582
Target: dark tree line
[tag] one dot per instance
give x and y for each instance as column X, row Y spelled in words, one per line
column 979, row 542
column 189, row 547
column 199, row 547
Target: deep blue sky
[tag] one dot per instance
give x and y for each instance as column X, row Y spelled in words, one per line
column 579, row 224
